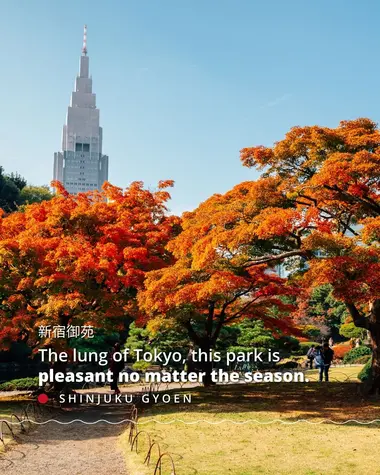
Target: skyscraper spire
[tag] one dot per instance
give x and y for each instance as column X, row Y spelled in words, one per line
column 80, row 164
column 84, row 48
column 84, row 60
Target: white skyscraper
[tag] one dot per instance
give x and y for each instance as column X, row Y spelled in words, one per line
column 81, row 165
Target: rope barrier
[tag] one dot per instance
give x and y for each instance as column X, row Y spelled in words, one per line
column 133, row 438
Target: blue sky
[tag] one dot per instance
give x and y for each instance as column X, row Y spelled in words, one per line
column 183, row 85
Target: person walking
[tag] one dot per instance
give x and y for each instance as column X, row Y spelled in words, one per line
column 327, row 355
column 190, row 367
column 115, row 368
column 319, row 363
column 310, row 355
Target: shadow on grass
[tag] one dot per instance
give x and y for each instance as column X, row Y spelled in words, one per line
column 334, row 401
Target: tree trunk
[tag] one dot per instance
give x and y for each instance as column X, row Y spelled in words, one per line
column 206, row 341
column 374, row 328
column 206, row 366
column 372, row 324
column 61, row 344
column 204, row 344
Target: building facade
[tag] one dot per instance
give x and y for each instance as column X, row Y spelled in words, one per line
column 81, row 166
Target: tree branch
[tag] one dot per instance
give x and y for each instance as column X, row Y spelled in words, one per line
column 191, row 332
column 275, row 257
column 210, row 318
column 360, row 320
column 236, row 314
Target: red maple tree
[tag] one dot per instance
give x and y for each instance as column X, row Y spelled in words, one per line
column 329, row 180
column 80, row 259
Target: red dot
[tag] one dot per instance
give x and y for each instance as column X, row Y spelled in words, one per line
column 42, row 399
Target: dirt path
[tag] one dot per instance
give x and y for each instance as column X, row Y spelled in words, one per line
column 72, row 449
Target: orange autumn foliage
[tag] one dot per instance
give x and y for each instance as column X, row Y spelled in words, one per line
column 211, row 284
column 80, row 259
column 332, row 176
column 341, row 349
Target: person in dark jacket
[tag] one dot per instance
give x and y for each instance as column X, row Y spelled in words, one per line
column 327, row 356
column 115, row 367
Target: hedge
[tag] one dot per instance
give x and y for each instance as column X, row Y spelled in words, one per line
column 23, row 384
column 287, row 364
column 363, row 359
column 365, row 373
column 353, row 355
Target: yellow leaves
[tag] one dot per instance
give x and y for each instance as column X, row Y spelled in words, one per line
column 292, row 195
column 60, row 304
column 158, row 323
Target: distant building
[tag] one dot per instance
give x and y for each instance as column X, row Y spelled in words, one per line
column 81, row 165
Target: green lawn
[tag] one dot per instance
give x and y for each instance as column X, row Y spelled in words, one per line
column 337, row 374
column 262, row 448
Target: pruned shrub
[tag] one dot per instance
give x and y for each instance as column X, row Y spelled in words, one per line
column 363, row 359
column 366, row 372
column 349, row 330
column 312, row 331
column 24, row 384
column 353, row 355
column 141, row 365
column 287, row 364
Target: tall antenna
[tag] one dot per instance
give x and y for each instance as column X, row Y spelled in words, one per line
column 84, row 48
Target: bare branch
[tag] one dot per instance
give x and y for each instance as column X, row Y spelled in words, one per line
column 275, row 257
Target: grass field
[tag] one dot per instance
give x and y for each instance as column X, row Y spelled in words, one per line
column 234, row 445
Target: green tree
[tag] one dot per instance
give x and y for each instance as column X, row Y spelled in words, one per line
column 349, row 330
column 15, row 192
column 253, row 334
column 138, row 339
column 9, row 192
column 35, row 194
column 322, row 314
column 18, row 180
column 101, row 341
